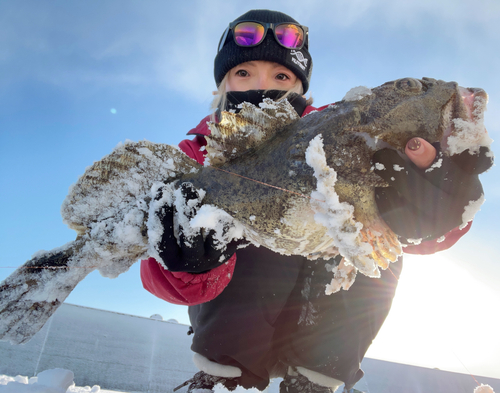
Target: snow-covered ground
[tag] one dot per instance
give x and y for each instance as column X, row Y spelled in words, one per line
column 49, row 381
column 84, row 350
column 61, row 381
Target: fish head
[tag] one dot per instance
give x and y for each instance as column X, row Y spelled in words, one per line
column 434, row 110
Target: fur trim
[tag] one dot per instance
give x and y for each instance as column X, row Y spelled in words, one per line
column 215, row 369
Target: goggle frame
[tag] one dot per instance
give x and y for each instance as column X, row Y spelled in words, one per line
column 266, row 26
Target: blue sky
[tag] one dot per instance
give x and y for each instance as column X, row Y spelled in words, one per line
column 76, row 78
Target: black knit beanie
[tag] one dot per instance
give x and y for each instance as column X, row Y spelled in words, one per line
column 297, row 61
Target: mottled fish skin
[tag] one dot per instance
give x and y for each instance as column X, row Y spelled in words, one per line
column 352, row 131
column 268, row 145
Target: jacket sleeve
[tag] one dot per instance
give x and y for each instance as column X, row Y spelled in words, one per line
column 182, row 287
column 185, row 288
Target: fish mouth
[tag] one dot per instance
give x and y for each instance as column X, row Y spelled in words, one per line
column 474, row 101
column 463, row 118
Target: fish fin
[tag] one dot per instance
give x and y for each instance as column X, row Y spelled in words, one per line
column 237, row 132
column 385, row 244
column 385, row 249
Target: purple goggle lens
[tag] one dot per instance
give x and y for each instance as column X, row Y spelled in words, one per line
column 249, row 34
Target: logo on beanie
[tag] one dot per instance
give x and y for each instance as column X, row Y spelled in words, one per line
column 299, row 59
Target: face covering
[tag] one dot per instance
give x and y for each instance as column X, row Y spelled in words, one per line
column 255, row 97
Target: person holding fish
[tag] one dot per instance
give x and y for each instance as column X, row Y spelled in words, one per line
column 256, row 314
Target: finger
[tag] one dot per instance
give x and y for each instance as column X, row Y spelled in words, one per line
column 191, row 199
column 159, row 194
column 420, row 152
column 168, row 248
column 213, row 248
column 189, row 191
column 192, row 248
column 218, row 252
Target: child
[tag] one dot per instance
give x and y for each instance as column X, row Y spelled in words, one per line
column 256, row 314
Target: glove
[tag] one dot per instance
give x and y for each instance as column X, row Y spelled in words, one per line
column 428, row 203
column 196, row 253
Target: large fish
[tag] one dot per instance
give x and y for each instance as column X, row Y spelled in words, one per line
column 296, row 186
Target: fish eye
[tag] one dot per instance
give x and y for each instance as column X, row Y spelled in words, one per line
column 409, row 85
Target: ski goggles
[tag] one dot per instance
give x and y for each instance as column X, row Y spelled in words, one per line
column 251, row 33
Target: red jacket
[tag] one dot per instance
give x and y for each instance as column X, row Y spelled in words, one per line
column 190, row 289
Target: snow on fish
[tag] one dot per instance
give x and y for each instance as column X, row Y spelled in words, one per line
column 296, row 186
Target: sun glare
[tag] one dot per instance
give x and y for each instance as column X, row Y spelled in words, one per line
column 442, row 318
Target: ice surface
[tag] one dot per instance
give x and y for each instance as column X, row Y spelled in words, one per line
column 115, row 351
column 134, row 354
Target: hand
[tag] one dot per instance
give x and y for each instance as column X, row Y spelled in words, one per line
column 195, row 253
column 427, row 196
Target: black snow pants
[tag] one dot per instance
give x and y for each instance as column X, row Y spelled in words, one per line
column 274, row 313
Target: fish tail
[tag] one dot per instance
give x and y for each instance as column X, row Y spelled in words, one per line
column 30, row 295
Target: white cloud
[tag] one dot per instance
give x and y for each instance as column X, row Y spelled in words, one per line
column 395, row 13
column 169, row 45
column 173, row 45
